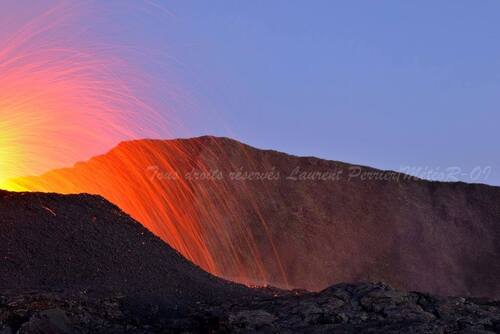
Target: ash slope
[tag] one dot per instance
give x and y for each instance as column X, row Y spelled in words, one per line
column 82, row 244
column 418, row 235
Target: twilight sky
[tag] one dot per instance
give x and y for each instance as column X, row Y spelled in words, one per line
column 388, row 84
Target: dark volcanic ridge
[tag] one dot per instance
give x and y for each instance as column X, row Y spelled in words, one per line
column 82, row 244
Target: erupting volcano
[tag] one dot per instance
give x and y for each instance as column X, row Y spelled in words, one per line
column 263, row 217
column 61, row 102
column 252, row 216
column 85, row 161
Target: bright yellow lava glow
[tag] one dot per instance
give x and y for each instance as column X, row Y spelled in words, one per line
column 11, row 186
column 7, row 160
column 11, row 155
column 3, row 161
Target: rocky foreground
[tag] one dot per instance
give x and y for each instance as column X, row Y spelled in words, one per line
column 345, row 308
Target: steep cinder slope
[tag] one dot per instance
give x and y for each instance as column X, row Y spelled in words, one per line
column 267, row 217
column 84, row 244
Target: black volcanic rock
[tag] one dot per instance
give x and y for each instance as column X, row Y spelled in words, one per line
column 82, row 244
column 317, row 223
column 344, row 308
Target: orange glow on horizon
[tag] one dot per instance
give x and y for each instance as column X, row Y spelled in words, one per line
column 63, row 100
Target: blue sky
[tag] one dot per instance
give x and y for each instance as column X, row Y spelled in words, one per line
column 381, row 83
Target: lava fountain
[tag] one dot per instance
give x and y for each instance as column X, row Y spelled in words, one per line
column 60, row 104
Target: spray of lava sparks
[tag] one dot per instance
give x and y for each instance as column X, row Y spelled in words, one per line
column 60, row 104
column 201, row 216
